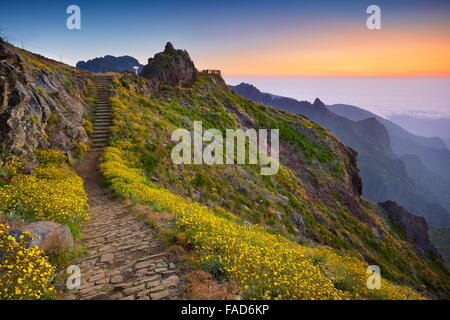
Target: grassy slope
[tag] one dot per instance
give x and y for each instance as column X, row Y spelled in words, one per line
column 314, row 182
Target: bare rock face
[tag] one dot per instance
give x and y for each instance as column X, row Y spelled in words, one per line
column 415, row 227
column 48, row 236
column 172, row 67
column 41, row 103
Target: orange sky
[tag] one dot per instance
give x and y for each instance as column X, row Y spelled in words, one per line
column 346, row 51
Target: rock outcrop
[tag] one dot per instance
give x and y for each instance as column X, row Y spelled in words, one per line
column 416, row 228
column 110, row 64
column 48, row 236
column 172, row 67
column 42, row 103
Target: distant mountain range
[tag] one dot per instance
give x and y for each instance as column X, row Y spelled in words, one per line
column 433, row 152
column 394, row 164
column 425, row 127
column 110, row 64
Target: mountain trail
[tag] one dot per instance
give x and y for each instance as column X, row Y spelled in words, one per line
column 125, row 260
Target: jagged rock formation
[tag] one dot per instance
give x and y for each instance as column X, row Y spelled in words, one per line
column 110, row 64
column 172, row 67
column 416, row 228
column 39, row 107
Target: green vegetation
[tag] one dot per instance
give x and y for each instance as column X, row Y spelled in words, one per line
column 313, row 184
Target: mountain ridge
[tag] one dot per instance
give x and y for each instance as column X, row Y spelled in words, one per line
column 384, row 175
column 110, row 63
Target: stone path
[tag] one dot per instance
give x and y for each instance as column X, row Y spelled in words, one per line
column 124, row 259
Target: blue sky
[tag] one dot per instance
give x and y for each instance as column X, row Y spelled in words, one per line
column 212, row 31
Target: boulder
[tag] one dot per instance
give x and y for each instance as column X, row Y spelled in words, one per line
column 47, row 235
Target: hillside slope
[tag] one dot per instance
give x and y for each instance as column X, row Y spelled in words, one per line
column 314, row 199
column 304, row 233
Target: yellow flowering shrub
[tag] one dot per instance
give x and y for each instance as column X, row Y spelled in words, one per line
column 53, row 192
column 24, row 272
column 49, row 156
column 10, row 166
column 265, row 265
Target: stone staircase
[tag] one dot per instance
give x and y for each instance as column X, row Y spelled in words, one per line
column 103, row 112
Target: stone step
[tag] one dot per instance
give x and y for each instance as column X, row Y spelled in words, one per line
column 101, row 130
column 100, row 137
column 100, row 134
column 104, row 125
column 100, row 143
column 99, row 117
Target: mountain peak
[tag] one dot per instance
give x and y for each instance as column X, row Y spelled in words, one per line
column 169, row 47
column 172, row 67
column 318, row 103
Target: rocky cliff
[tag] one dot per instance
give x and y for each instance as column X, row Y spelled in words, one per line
column 415, row 228
column 42, row 103
column 172, row 67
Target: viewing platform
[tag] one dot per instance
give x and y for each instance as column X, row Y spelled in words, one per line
column 212, row 72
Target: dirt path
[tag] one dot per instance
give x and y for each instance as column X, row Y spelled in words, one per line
column 124, row 259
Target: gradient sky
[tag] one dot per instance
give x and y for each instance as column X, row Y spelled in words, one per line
column 254, row 38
